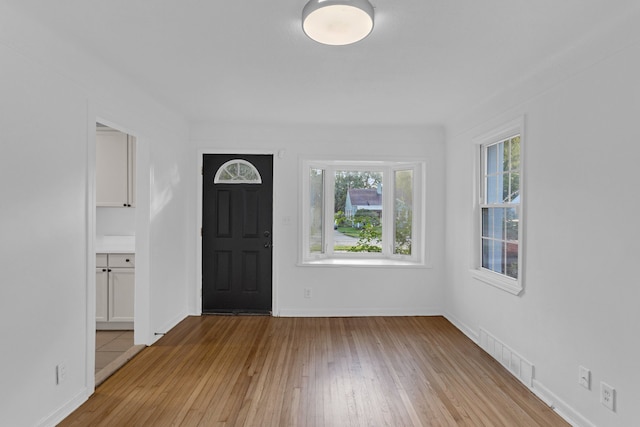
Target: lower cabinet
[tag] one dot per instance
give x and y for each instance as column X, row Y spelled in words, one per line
column 115, row 286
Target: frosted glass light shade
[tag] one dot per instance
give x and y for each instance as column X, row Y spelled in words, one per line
column 337, row 22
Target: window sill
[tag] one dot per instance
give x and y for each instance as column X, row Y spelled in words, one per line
column 351, row 262
column 506, row 284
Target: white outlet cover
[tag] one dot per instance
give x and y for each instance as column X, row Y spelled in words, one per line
column 608, row 396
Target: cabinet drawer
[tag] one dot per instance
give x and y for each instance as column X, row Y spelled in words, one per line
column 122, row 260
column 101, row 260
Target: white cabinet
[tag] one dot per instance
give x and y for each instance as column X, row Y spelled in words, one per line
column 115, row 286
column 102, row 288
column 115, row 168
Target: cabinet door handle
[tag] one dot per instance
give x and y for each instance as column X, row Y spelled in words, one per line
column 109, row 270
column 126, row 260
column 104, row 270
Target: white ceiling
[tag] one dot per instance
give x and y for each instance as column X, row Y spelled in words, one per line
column 249, row 61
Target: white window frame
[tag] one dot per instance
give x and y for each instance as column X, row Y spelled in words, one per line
column 498, row 134
column 386, row 257
column 217, row 179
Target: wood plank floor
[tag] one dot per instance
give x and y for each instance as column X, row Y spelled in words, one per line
column 267, row 371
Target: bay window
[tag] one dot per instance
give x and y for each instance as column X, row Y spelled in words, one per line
column 362, row 212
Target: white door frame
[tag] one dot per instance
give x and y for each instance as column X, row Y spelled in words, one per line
column 142, row 222
column 197, row 289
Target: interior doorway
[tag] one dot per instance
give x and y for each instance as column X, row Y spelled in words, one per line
column 115, row 233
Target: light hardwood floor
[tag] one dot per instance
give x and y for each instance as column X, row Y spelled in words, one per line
column 265, row 371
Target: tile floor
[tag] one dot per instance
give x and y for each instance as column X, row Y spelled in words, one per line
column 110, row 345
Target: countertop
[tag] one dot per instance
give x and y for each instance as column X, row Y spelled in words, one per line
column 115, row 244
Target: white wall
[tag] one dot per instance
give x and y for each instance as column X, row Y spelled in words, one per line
column 115, row 221
column 50, row 97
column 582, row 241
column 344, row 290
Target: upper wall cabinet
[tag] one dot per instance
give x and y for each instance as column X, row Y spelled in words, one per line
column 115, row 168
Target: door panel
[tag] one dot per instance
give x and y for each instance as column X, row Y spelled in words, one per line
column 236, row 238
column 121, row 294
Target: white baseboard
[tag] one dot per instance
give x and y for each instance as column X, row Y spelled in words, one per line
column 64, row 411
column 569, row 414
column 359, row 312
column 463, row 327
column 524, row 371
column 156, row 335
column 114, row 326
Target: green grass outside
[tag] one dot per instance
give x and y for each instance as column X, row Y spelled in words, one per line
column 355, row 232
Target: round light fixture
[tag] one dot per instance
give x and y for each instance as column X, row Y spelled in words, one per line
column 337, row 22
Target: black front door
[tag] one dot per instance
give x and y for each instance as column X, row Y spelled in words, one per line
column 237, row 210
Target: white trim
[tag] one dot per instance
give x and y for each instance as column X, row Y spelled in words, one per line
column 276, row 232
column 559, row 406
column 361, row 312
column 485, row 340
column 362, row 261
column 168, row 326
column 500, row 281
column 90, row 333
column 502, row 131
column 420, row 254
column 464, row 328
column 142, row 306
column 65, row 410
column 114, row 326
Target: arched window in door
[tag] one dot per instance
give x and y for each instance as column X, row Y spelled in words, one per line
column 237, row 171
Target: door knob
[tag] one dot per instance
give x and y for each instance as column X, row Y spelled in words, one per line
column 267, row 233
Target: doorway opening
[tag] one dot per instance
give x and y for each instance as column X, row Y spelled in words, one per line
column 115, row 231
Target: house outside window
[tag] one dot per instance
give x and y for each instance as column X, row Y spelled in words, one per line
column 363, row 212
column 499, row 209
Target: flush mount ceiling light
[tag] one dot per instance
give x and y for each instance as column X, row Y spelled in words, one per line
column 337, row 22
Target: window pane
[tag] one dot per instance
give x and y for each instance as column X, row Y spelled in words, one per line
column 487, row 222
column 244, row 170
column 237, row 171
column 514, row 188
column 514, row 153
column 492, row 159
column 512, row 224
column 498, row 223
column 511, row 268
column 316, row 214
column 226, row 176
column 497, row 260
column 493, row 255
column 486, row 252
column 358, row 211
column 505, row 188
column 492, row 189
column 505, row 155
column 403, row 212
column 501, row 225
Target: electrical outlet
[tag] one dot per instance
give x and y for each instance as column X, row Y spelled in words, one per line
column 584, row 377
column 61, row 373
column 307, row 292
column 608, row 396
